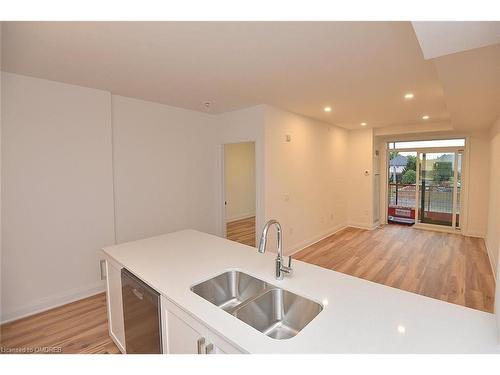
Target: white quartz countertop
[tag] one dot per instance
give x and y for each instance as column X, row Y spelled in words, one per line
column 358, row 316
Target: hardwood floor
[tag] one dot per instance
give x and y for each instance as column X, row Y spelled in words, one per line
column 449, row 267
column 78, row 327
column 242, row 231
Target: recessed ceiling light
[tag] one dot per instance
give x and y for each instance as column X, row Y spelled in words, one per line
column 409, row 95
column 327, row 109
column 401, row 329
column 425, row 117
column 363, row 124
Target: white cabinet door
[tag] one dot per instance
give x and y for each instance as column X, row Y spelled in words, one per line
column 186, row 335
column 114, row 301
column 182, row 338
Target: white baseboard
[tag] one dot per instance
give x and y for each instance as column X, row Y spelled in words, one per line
column 47, row 303
column 363, row 225
column 240, row 217
column 490, row 258
column 310, row 241
column 475, row 234
column 438, row 228
column 117, row 342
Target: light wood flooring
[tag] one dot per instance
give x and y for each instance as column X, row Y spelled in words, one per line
column 449, row 267
column 78, row 327
column 242, row 231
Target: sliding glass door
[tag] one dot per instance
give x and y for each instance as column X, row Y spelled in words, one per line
column 439, row 181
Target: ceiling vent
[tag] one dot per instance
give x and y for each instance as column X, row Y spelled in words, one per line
column 207, row 106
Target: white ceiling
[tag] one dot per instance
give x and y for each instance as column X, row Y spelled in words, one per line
column 361, row 69
column 443, row 38
column 471, row 83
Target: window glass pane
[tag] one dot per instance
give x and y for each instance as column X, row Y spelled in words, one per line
column 424, row 144
column 436, row 188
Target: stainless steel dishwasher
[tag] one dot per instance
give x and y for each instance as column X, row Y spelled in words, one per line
column 141, row 315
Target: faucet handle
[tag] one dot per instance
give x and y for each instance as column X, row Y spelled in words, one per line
column 287, row 269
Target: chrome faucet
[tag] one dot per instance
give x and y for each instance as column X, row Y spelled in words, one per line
column 280, row 268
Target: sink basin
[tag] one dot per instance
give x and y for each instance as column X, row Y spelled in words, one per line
column 230, row 289
column 275, row 312
column 278, row 313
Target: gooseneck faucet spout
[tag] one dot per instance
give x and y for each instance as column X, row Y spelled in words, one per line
column 280, row 268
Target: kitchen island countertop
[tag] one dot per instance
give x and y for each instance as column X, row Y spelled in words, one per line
column 358, row 316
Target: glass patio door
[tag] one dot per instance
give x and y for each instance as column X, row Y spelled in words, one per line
column 439, row 186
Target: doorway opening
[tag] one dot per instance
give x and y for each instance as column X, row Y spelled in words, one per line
column 425, row 182
column 239, row 192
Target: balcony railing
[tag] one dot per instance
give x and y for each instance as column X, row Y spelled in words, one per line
column 437, row 203
column 402, row 195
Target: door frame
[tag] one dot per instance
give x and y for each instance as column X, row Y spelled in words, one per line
column 464, row 180
column 223, row 185
column 434, row 150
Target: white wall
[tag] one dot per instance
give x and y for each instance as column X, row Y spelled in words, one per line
column 165, row 169
column 64, row 150
column 1, row 319
column 239, row 180
column 379, row 177
column 493, row 232
column 305, row 179
column 57, row 193
column 361, row 193
column 478, row 177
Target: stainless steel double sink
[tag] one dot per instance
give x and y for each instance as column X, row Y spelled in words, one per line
column 274, row 311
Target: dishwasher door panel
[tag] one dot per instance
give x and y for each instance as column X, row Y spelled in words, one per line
column 141, row 315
